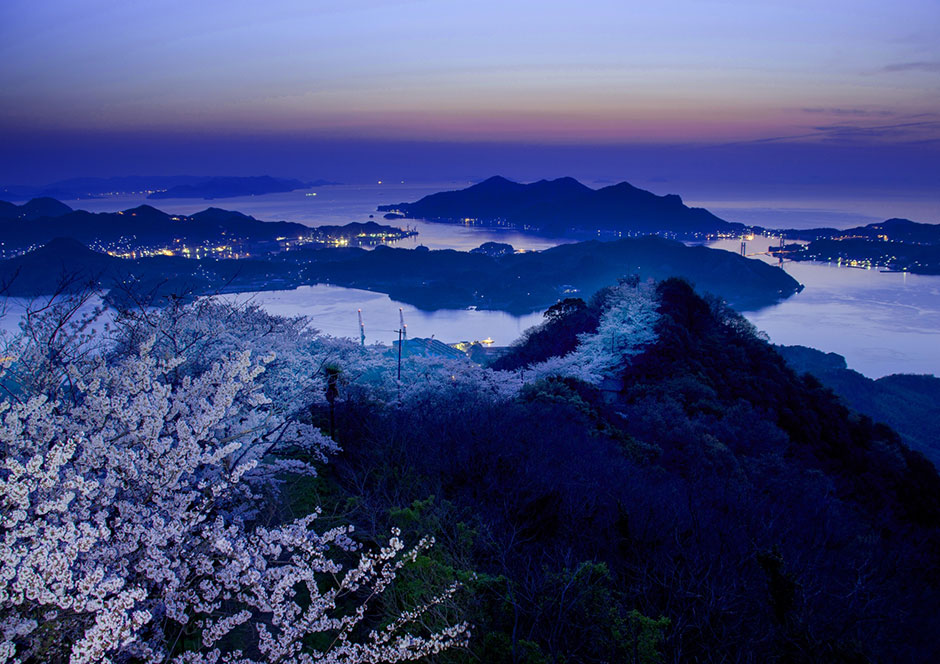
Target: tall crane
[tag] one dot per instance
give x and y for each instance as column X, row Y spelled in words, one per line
column 362, row 330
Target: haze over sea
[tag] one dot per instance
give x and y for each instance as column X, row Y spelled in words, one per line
column 882, row 323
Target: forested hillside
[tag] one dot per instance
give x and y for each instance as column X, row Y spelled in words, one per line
column 641, row 479
column 908, row 403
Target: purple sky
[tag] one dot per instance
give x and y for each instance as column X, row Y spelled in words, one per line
column 839, row 93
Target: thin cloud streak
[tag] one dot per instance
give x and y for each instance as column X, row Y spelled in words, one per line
column 923, row 131
column 914, row 66
column 859, row 112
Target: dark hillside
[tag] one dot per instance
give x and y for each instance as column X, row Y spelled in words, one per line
column 721, row 508
column 717, row 354
column 909, row 404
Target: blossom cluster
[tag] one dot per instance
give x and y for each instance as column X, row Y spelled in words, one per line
column 138, row 464
column 130, row 490
column 627, row 326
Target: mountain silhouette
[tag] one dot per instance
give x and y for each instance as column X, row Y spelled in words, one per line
column 566, row 206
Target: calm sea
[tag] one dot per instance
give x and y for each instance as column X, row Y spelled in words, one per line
column 882, row 323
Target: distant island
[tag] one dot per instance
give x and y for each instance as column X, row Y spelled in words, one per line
column 230, row 187
column 94, row 187
column 146, row 231
column 566, row 207
column 895, row 244
column 513, row 282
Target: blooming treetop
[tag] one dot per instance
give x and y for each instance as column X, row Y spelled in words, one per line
column 626, row 327
column 129, row 516
column 135, row 466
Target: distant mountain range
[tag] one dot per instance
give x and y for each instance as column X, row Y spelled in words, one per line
column 34, row 209
column 185, row 186
column 144, row 225
column 566, row 206
column 147, row 227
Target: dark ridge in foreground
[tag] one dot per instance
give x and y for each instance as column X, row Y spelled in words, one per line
column 564, row 206
column 717, row 507
column 517, row 283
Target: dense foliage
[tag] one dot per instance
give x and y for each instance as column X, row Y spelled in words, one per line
column 644, row 480
column 140, row 493
column 908, row 403
column 717, row 508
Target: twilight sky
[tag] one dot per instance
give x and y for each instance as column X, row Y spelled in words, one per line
column 334, row 89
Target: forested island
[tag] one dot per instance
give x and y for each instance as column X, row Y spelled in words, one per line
column 517, row 283
column 565, row 206
column 895, row 244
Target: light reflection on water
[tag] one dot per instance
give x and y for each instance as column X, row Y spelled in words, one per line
column 333, row 311
column 338, row 205
column 882, row 322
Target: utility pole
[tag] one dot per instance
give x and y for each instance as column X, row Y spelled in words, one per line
column 400, row 333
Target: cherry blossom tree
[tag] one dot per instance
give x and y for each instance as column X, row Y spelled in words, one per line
column 138, row 467
column 132, row 488
column 626, row 327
